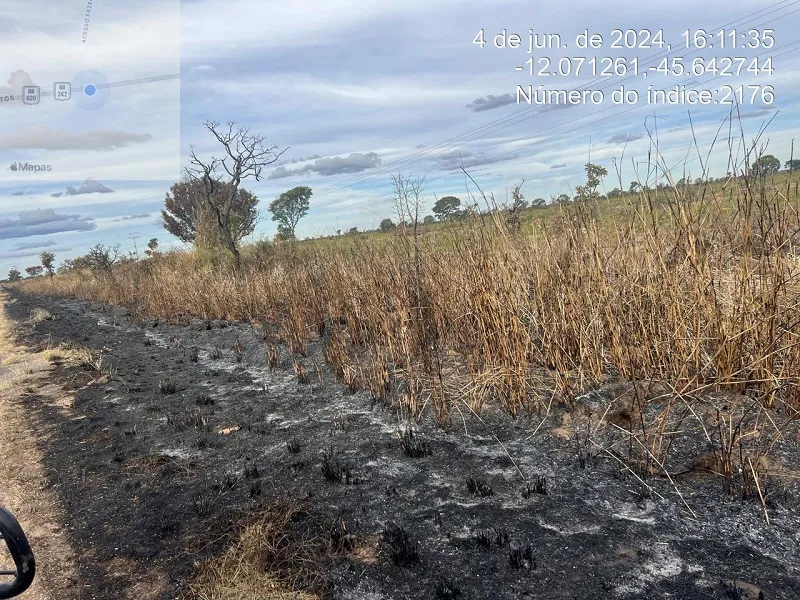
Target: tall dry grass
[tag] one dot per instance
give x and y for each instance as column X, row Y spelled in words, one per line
column 688, row 286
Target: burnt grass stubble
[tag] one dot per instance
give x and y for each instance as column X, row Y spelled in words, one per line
column 144, row 475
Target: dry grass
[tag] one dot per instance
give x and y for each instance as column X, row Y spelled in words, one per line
column 24, row 488
column 70, row 353
column 695, row 288
column 265, row 562
column 682, row 292
column 39, row 315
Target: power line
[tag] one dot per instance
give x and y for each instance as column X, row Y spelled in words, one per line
column 494, row 126
column 516, row 118
column 788, row 48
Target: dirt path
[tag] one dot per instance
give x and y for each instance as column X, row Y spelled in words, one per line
column 24, row 488
column 161, row 435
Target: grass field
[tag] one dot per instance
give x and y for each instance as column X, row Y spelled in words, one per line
column 687, row 295
column 696, row 287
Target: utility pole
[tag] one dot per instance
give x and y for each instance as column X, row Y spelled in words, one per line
column 135, row 236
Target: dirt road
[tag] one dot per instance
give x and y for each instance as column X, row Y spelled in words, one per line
column 153, row 443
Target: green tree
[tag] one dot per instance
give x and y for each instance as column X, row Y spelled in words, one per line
column 429, row 220
column 446, row 207
column 793, row 165
column 48, row 258
column 561, row 199
column 594, row 176
column 387, row 225
column 288, row 208
column 34, row 271
column 187, row 216
column 538, row 203
column 635, row 187
column 766, row 165
column 152, row 247
column 14, row 274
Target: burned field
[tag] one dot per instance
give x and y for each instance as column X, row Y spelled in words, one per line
column 175, row 434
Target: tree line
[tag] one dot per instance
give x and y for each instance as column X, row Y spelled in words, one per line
column 210, row 208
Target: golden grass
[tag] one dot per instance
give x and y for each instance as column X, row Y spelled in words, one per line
column 24, row 488
column 259, row 564
column 692, row 289
column 677, row 288
column 13, row 358
column 69, row 353
column 695, row 289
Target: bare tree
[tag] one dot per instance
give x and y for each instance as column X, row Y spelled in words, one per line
column 101, row 258
column 409, row 205
column 513, row 211
column 245, row 155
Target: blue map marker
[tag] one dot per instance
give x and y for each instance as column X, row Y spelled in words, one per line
column 94, row 90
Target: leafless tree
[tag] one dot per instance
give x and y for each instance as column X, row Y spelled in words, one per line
column 245, row 155
column 513, row 211
column 103, row 258
column 408, row 205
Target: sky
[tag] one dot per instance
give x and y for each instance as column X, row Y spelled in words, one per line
column 353, row 92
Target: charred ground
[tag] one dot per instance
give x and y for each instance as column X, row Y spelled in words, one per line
column 180, row 431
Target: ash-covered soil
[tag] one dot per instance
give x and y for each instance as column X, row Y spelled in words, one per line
column 151, row 463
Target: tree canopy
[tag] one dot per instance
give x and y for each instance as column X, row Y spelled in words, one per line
column 48, row 258
column 446, row 207
column 766, row 165
column 793, row 165
column 187, row 217
column 594, row 176
column 288, row 208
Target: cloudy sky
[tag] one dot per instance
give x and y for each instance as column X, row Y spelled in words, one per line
column 354, row 91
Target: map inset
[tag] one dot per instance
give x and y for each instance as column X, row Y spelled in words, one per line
column 91, row 90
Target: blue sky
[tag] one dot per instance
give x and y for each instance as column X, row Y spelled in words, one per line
column 355, row 90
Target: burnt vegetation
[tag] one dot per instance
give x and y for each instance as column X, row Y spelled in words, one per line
column 521, row 557
column 167, row 386
column 446, row 589
column 333, row 470
column 412, row 446
column 398, row 546
column 537, row 486
column 478, row 487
